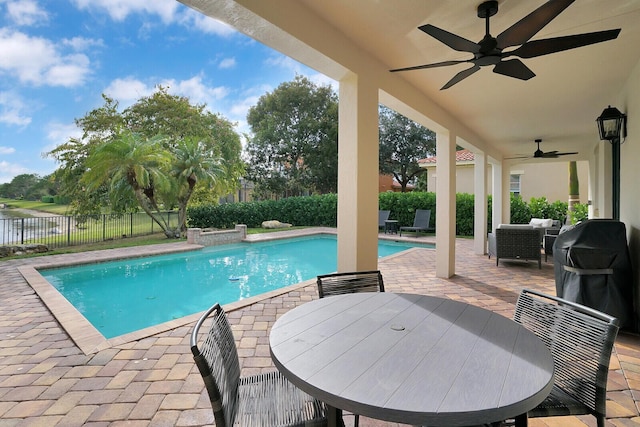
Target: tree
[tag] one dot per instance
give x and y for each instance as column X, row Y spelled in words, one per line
column 294, row 147
column 402, row 143
column 153, row 156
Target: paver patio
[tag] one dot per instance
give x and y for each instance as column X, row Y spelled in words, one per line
column 46, row 380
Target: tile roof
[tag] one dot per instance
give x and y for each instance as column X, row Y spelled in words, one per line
column 461, row 157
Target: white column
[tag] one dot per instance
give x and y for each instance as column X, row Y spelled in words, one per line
column 480, row 204
column 358, row 175
column 445, row 204
column 506, row 194
column 496, row 199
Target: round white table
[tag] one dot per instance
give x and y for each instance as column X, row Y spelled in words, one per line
column 412, row 359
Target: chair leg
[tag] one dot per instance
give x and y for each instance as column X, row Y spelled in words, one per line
column 521, row 421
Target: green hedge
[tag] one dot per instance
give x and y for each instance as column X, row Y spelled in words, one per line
column 322, row 211
column 308, row 211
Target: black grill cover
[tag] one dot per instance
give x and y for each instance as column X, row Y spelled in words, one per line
column 593, row 268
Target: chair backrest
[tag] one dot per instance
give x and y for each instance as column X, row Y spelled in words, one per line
column 217, row 360
column 580, row 340
column 351, row 282
column 382, row 217
column 422, row 218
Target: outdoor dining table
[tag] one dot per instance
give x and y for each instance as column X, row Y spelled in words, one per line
column 411, row 359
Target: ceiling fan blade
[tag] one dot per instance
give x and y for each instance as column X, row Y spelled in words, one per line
column 520, row 32
column 421, row 67
column 514, row 68
column 452, row 40
column 460, row 76
column 566, row 154
column 536, row 48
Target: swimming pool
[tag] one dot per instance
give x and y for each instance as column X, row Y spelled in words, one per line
column 119, row 297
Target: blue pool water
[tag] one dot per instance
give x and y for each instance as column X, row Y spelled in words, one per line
column 124, row 296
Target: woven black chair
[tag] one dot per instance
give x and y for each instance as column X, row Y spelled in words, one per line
column 580, row 340
column 516, row 243
column 349, row 283
column 266, row 400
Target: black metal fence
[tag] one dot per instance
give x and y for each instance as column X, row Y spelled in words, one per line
column 62, row 230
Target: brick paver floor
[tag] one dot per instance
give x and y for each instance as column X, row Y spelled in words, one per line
column 47, row 380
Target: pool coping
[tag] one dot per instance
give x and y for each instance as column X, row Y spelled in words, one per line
column 89, row 340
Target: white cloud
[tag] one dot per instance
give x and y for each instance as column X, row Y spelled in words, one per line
column 12, row 110
column 282, row 61
column 7, row 150
column 206, row 24
column 82, row 43
column 10, row 171
column 26, row 12
column 128, row 90
column 227, row 63
column 196, row 90
column 60, row 133
column 119, row 10
column 38, row 61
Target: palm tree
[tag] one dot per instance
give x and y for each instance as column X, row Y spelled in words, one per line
column 192, row 163
column 134, row 161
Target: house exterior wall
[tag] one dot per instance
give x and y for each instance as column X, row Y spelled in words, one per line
column 550, row 180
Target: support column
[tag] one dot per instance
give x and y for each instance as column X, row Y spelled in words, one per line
column 445, row 205
column 496, row 191
column 480, row 204
column 506, row 194
column 358, row 175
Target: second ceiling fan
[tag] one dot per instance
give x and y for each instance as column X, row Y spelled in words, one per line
column 539, row 154
column 490, row 50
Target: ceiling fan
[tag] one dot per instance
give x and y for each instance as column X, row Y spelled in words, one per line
column 539, row 154
column 490, row 50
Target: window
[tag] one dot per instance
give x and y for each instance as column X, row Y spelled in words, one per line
column 514, row 184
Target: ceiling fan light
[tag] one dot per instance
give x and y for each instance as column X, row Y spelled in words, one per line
column 611, row 124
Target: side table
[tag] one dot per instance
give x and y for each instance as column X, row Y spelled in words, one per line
column 391, row 226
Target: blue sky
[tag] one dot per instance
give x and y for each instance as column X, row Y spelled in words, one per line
column 58, row 56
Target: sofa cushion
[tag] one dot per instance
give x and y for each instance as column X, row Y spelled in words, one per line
column 515, row 226
column 540, row 222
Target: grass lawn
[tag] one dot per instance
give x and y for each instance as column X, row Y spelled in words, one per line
column 150, row 239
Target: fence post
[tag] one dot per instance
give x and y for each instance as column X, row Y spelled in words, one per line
column 22, row 231
column 104, row 227
column 131, row 224
column 68, row 230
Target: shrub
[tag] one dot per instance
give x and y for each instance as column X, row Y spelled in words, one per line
column 579, row 213
column 323, row 210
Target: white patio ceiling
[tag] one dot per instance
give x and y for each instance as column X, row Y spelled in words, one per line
column 559, row 105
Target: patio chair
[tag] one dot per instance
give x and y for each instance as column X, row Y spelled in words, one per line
column 515, row 241
column 382, row 217
column 263, row 400
column 420, row 222
column 580, row 340
column 348, row 283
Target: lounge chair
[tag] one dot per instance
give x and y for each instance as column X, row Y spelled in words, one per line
column 382, row 217
column 420, row 222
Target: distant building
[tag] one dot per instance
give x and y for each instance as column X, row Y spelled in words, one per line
column 389, row 183
column 550, row 180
